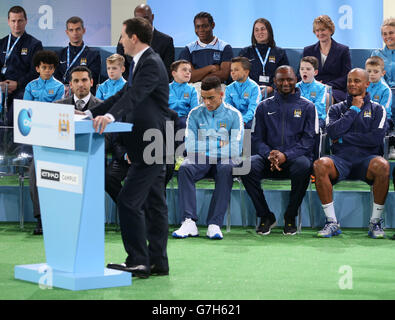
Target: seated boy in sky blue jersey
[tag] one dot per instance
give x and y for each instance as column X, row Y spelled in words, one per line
column 381, row 93
column 378, row 89
column 182, row 96
column 45, row 88
column 115, row 81
column 312, row 89
column 243, row 93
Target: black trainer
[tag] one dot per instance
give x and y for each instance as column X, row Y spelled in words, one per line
column 39, row 228
column 266, row 224
column 289, row 227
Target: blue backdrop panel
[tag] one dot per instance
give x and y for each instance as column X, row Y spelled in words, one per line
column 353, row 208
column 357, row 23
column 47, row 20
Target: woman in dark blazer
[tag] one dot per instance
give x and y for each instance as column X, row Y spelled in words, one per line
column 264, row 56
column 334, row 58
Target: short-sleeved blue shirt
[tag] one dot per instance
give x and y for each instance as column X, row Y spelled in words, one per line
column 201, row 54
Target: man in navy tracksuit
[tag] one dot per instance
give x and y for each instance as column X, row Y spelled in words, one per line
column 214, row 140
column 283, row 135
column 356, row 127
column 16, row 58
column 77, row 53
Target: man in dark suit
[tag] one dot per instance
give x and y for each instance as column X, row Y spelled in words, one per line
column 81, row 83
column 141, row 201
column 161, row 43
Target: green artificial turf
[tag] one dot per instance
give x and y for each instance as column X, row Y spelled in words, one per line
column 242, row 266
column 9, row 180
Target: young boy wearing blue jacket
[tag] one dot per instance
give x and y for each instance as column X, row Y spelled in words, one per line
column 45, row 88
column 378, row 89
column 115, row 81
column 312, row 89
column 243, row 93
column 182, row 96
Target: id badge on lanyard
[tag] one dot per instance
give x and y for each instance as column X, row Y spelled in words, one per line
column 263, row 77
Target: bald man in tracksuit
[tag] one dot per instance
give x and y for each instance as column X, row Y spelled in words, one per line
column 283, row 134
column 357, row 128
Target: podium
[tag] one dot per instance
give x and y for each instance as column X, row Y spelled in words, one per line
column 72, row 199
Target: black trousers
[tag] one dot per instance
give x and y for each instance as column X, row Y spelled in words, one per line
column 143, row 215
column 116, row 172
column 34, row 191
column 298, row 170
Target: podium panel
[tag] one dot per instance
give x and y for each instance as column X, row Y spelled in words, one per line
column 72, row 201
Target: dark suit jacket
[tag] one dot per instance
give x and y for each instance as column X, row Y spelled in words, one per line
column 143, row 103
column 91, row 103
column 162, row 45
column 337, row 65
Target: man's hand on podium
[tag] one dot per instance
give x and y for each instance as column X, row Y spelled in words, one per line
column 81, row 113
column 102, row 122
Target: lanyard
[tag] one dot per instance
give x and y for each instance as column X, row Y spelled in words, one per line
column 260, row 58
column 74, row 60
column 9, row 51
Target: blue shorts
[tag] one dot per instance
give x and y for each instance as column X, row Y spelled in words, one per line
column 355, row 170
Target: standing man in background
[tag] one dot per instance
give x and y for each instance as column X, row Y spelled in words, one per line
column 161, row 43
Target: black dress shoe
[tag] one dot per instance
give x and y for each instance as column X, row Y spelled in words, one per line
column 39, row 228
column 140, row 270
column 156, row 271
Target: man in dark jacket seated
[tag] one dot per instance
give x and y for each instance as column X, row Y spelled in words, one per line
column 283, row 133
column 356, row 127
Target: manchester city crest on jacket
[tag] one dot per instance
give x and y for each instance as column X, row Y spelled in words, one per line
column 297, row 113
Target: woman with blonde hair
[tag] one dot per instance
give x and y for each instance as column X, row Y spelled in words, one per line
column 387, row 53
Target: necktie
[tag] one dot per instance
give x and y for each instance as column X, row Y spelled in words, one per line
column 80, row 104
column 130, row 78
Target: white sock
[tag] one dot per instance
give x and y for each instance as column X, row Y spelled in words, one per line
column 377, row 211
column 329, row 210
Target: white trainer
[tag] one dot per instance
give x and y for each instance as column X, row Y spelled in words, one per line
column 214, row 232
column 391, row 154
column 188, row 229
